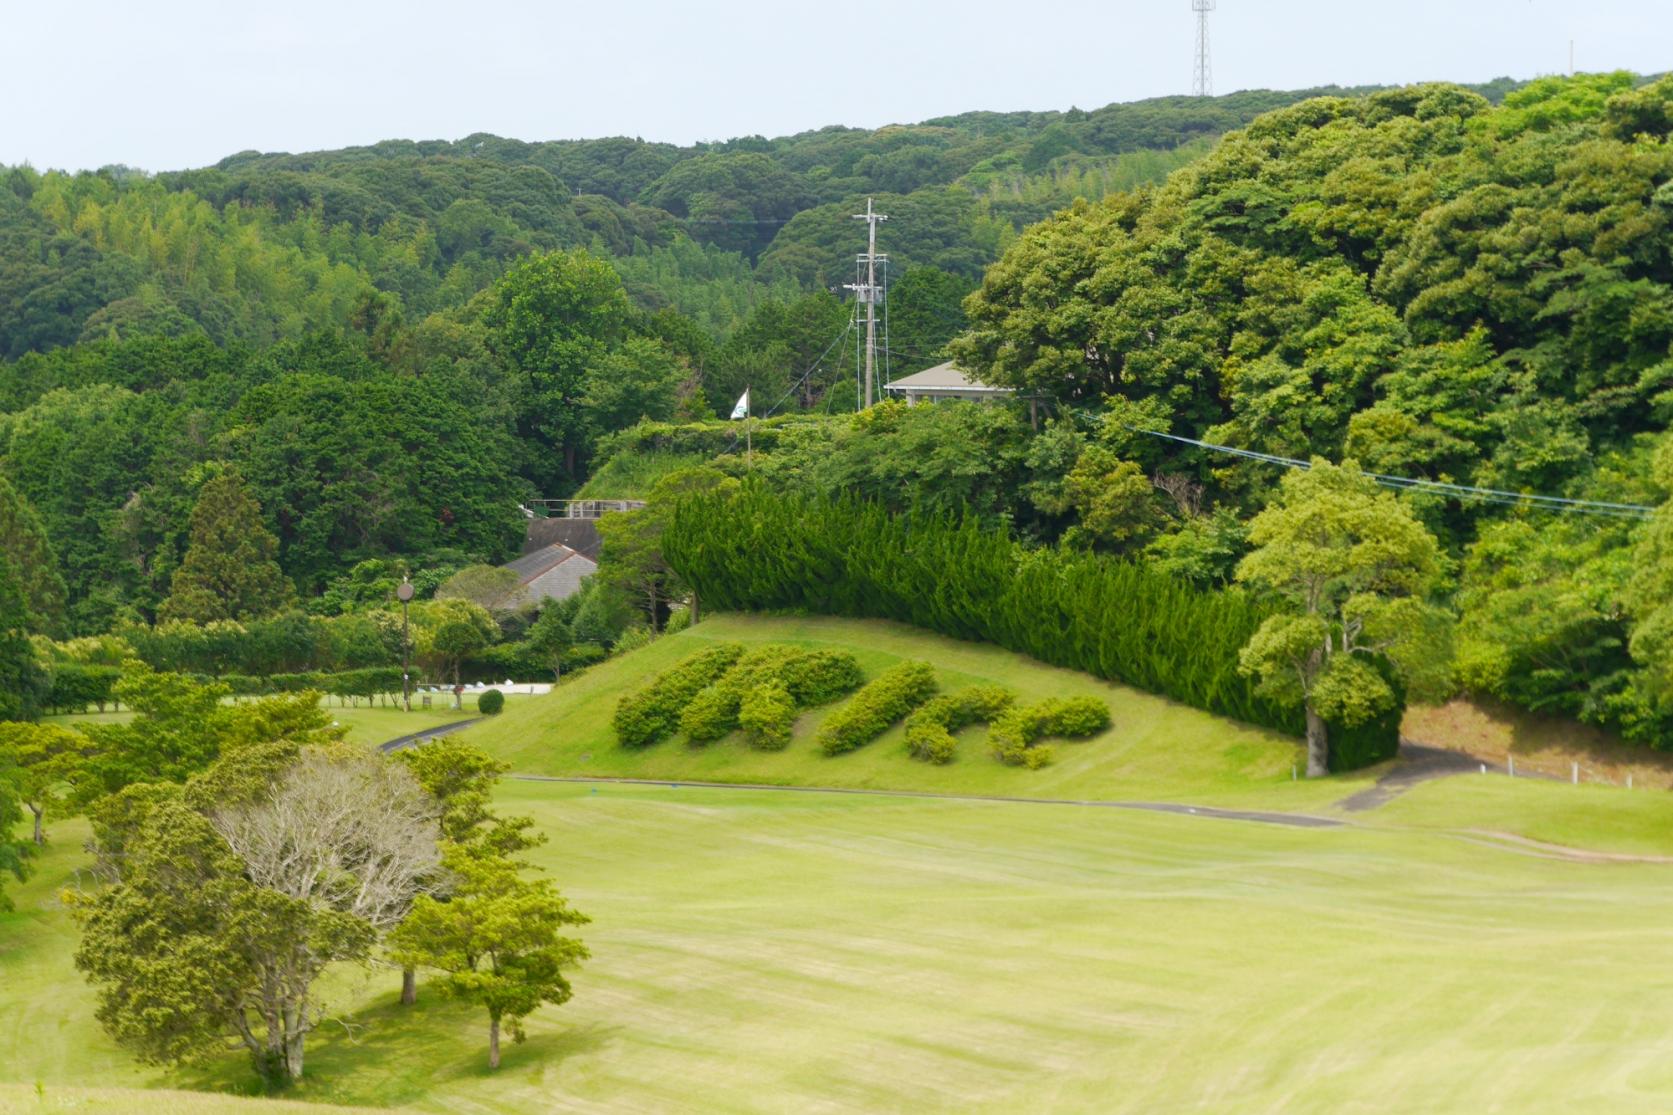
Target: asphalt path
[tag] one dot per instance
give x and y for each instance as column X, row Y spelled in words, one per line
column 427, row 735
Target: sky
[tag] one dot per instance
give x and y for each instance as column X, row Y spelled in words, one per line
column 168, row 84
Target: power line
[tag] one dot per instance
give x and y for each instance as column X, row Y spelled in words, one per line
column 1434, row 487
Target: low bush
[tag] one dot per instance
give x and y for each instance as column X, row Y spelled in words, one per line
column 632, row 639
column 490, row 703
column 929, row 731
column 713, row 712
column 646, row 716
column 75, row 686
column 1015, row 733
column 766, row 715
column 818, row 677
column 884, row 700
column 930, row 741
column 808, row 678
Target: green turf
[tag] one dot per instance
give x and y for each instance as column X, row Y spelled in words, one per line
column 1154, row 749
column 1587, row 816
column 374, row 725
column 785, row 951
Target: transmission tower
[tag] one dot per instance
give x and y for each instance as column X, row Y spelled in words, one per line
column 1202, row 82
column 867, row 294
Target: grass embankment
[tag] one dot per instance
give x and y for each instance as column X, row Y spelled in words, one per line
column 1154, row 749
column 632, row 475
column 770, row 951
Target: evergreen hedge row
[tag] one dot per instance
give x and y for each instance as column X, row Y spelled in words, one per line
column 762, row 550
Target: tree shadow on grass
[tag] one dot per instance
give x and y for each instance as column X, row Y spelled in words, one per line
column 388, row 1055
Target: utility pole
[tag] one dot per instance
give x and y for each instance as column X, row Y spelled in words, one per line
column 866, row 293
column 1202, row 80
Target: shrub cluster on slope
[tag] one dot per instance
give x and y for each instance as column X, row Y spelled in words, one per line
column 884, row 700
column 929, row 731
column 1015, row 734
column 652, row 713
column 763, row 691
column 762, row 550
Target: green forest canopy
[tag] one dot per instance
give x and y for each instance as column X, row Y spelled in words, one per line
column 1463, row 285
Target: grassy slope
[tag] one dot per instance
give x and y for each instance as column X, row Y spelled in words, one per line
column 365, row 725
column 1155, row 748
column 763, row 951
column 632, row 475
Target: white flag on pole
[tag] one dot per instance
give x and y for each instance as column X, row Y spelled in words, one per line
column 742, row 409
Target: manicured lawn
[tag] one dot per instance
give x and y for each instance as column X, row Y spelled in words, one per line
column 365, row 725
column 1154, row 749
column 784, row 951
column 1594, row 817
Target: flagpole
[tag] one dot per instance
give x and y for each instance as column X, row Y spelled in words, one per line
column 749, row 442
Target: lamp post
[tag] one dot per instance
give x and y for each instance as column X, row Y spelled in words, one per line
column 404, row 593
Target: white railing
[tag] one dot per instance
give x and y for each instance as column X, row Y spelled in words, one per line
column 578, row 508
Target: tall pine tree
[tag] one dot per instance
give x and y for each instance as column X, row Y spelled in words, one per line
column 229, row 571
column 23, row 683
column 24, row 542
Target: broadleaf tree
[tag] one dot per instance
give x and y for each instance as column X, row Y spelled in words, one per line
column 498, row 937
column 1350, row 568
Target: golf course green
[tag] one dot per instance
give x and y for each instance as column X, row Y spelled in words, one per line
column 1476, row 944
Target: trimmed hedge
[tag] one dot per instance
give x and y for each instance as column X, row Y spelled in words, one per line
column 929, row 731
column 490, row 703
column 75, row 686
column 1014, row 733
column 818, row 677
column 648, row 715
column 767, row 714
column 884, row 700
column 759, row 550
column 808, row 678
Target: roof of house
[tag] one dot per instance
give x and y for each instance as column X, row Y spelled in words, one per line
column 942, row 377
column 553, row 572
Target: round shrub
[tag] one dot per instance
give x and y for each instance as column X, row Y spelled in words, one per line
column 818, row 677
column 766, row 716
column 711, row 714
column 490, row 703
column 929, row 741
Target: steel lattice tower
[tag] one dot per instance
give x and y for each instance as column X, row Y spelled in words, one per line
column 1202, row 82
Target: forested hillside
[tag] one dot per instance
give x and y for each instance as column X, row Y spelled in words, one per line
column 345, row 327
column 392, row 346
column 262, row 247
column 1435, row 287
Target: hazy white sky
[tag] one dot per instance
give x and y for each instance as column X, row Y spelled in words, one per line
column 164, row 84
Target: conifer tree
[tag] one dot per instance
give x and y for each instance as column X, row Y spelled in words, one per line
column 24, row 541
column 229, row 571
column 23, row 683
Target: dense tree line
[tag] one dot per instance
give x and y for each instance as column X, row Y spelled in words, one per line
column 264, row 247
column 1417, row 280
